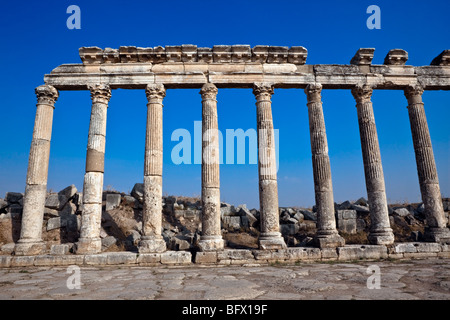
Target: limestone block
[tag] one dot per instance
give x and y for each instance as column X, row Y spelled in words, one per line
column 289, row 229
column 279, row 68
column 111, row 55
column 144, row 54
column 363, row 56
column 297, row 55
column 7, row 248
column 329, row 253
column 206, row 257
column 356, row 252
column 168, row 67
column 260, row 54
column 22, row 261
column 5, row 261
column 300, row 253
column 240, row 53
column 176, row 257
column 222, row 53
column 128, row 54
column 405, row 247
column 108, row 242
column 277, row 54
column 204, row 55
column 159, row 55
column 115, row 258
column 95, row 259
column 232, row 222
column 396, row 57
column 113, row 200
column 60, row 249
column 173, row 53
column 428, row 247
column 91, row 55
column 443, row 59
column 188, row 53
column 149, row 258
column 235, row 254
column 58, row 260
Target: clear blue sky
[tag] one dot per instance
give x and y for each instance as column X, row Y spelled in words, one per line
column 35, row 40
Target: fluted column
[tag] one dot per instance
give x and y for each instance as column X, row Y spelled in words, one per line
column 436, row 229
column 152, row 240
column 89, row 241
column 270, row 236
column 380, row 230
column 327, row 235
column 211, row 238
column 30, row 242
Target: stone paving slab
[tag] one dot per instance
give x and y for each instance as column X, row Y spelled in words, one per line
column 332, row 280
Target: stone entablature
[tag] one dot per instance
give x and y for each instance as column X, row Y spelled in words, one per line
column 240, row 66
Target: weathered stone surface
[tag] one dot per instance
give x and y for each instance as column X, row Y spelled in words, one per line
column 116, row 258
column 176, row 257
column 308, row 215
column 138, row 192
column 60, row 249
column 396, row 57
column 149, row 258
column 206, row 257
column 355, row 252
column 402, row 212
column 112, row 201
column 108, row 242
column 7, row 248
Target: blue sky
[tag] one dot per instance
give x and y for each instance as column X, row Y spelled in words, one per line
column 35, row 40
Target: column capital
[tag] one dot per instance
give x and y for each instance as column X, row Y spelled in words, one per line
column 46, row 94
column 313, row 92
column 263, row 90
column 414, row 93
column 100, row 93
column 155, row 91
column 362, row 93
column 209, row 91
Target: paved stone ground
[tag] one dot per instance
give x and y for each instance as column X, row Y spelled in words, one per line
column 413, row 279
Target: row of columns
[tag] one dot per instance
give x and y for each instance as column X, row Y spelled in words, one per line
column 30, row 242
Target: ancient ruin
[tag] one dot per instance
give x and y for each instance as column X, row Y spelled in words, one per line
column 261, row 68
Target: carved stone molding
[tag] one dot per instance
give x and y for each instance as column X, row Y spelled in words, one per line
column 263, row 90
column 362, row 93
column 155, row 91
column 209, row 91
column 46, row 94
column 100, row 93
column 313, row 92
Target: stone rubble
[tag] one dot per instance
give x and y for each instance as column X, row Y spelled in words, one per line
column 182, row 232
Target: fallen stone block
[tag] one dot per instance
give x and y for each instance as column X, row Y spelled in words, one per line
column 112, row 201
column 60, row 249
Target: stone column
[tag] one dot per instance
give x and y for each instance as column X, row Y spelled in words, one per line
column 152, row 240
column 436, row 229
column 211, row 238
column 270, row 237
column 380, row 230
column 327, row 235
column 30, row 242
column 89, row 241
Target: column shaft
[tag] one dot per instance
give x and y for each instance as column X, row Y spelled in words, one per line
column 211, row 238
column 327, row 235
column 270, row 237
column 30, row 242
column 89, row 241
column 436, row 229
column 380, row 230
column 152, row 240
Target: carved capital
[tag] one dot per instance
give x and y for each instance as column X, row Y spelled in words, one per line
column 362, row 93
column 414, row 94
column 313, row 92
column 46, row 94
column 155, row 92
column 100, row 93
column 209, row 91
column 263, row 90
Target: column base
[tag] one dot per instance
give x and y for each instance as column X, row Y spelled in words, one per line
column 440, row 235
column 271, row 241
column 332, row 240
column 211, row 243
column 88, row 246
column 384, row 237
column 29, row 248
column 151, row 245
